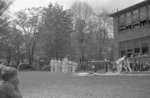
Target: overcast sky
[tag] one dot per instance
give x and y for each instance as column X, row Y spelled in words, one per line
column 110, row 5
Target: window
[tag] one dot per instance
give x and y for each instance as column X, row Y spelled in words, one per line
column 143, row 13
column 149, row 14
column 135, row 16
column 128, row 19
column 122, row 20
column 137, row 51
column 145, row 49
column 123, row 53
column 130, row 52
column 143, row 16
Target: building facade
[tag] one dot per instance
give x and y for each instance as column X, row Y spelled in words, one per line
column 132, row 31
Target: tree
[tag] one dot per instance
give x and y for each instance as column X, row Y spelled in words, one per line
column 81, row 13
column 81, row 10
column 4, row 28
column 28, row 21
column 15, row 46
column 3, row 17
column 100, row 28
column 92, row 34
column 55, row 31
column 104, row 29
column 4, row 5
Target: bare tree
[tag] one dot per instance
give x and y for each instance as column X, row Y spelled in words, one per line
column 28, row 21
column 81, row 13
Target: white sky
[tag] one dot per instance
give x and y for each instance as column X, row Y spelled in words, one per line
column 97, row 5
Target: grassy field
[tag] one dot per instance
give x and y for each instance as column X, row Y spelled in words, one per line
column 58, row 85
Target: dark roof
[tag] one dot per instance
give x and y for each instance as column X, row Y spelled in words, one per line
column 144, row 3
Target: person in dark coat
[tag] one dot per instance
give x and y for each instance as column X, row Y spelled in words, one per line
column 9, row 83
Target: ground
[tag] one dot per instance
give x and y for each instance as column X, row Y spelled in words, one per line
column 58, row 85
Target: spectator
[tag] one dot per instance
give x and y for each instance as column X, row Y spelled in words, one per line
column 9, row 84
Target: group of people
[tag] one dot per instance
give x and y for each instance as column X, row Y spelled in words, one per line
column 64, row 65
column 131, row 64
column 123, row 62
column 9, row 82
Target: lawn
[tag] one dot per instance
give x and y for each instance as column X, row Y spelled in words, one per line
column 59, row 85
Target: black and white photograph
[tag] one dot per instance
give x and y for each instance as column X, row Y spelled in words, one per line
column 74, row 48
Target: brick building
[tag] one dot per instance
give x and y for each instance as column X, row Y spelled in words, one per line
column 132, row 31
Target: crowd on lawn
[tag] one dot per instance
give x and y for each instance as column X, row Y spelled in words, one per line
column 122, row 64
column 131, row 64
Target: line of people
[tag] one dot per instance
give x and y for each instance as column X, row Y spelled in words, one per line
column 63, row 65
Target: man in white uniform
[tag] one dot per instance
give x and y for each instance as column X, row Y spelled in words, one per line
column 119, row 63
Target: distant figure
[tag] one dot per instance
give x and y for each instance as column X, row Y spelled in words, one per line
column 127, row 65
column 58, row 65
column 94, row 68
column 119, row 63
column 9, row 83
column 52, row 65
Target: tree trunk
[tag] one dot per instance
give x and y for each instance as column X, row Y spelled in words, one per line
column 9, row 56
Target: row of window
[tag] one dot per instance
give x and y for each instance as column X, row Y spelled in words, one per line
column 135, row 52
column 135, row 47
column 138, row 17
column 134, row 25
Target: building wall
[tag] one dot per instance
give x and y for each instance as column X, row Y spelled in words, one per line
column 131, row 28
column 135, row 47
column 134, row 33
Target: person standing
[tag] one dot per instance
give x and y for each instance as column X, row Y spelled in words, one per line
column 127, row 64
column 119, row 64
